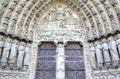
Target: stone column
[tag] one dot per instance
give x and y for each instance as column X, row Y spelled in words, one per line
column 87, row 64
column 60, row 61
column 33, row 60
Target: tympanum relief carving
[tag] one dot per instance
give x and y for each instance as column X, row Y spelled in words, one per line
column 59, row 23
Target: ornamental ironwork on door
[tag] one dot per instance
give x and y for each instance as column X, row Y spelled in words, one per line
column 74, row 63
column 46, row 64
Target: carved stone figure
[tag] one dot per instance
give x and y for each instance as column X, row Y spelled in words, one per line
column 113, row 50
column 106, row 52
column 99, row 54
column 118, row 42
column 27, row 56
column 6, row 52
column 60, row 48
column 21, row 53
column 12, row 59
column 92, row 53
column 1, row 45
column 60, row 65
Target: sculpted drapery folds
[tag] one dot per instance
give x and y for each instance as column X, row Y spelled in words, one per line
column 60, row 58
column 113, row 50
column 99, row 54
column 92, row 53
column 6, row 51
column 1, row 45
column 21, row 52
column 106, row 54
column 27, row 56
column 13, row 54
column 118, row 43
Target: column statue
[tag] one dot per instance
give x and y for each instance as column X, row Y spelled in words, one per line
column 106, row 54
column 113, row 50
column 60, row 61
column 6, row 52
column 13, row 54
column 92, row 53
column 99, row 54
column 27, row 56
column 118, row 42
column 1, row 45
column 21, row 52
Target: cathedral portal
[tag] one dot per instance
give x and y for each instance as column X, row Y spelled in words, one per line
column 60, row 61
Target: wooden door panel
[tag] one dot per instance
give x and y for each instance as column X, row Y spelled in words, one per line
column 74, row 61
column 46, row 64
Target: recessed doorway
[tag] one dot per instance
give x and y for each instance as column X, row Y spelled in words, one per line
column 74, row 61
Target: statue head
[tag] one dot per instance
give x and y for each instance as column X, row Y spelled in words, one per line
column 28, row 45
column 60, row 45
column 118, row 36
column 22, row 43
column 96, row 42
column 8, row 39
column 104, row 40
column 111, row 38
column 15, row 41
column 1, row 37
column 92, row 43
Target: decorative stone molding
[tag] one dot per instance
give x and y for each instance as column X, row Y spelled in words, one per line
column 15, row 36
column 13, row 75
column 111, row 33
column 49, row 35
column 111, row 74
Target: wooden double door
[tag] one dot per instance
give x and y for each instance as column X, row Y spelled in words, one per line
column 46, row 61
